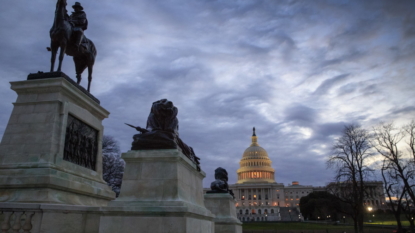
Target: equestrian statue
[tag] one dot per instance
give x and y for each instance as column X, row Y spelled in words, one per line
column 67, row 33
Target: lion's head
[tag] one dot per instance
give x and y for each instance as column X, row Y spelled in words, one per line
column 163, row 116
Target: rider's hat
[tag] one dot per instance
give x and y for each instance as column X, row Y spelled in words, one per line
column 77, row 4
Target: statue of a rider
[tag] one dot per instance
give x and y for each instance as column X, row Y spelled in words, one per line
column 79, row 22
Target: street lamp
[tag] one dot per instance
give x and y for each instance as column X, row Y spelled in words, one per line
column 369, row 209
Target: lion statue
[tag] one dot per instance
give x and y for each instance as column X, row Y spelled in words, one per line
column 162, row 131
column 220, row 185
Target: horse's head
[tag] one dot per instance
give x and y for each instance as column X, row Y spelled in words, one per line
column 61, row 4
column 61, row 12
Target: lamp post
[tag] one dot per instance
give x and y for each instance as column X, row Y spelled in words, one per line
column 369, row 209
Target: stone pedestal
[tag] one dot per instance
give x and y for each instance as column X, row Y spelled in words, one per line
column 161, row 192
column 32, row 165
column 223, row 206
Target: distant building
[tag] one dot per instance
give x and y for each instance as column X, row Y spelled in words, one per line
column 374, row 193
column 260, row 198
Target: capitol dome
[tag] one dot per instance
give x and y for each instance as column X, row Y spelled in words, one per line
column 255, row 165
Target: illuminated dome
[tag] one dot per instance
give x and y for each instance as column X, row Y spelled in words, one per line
column 255, row 165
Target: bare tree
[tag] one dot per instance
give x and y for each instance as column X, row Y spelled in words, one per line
column 410, row 132
column 398, row 167
column 349, row 159
column 395, row 192
column 113, row 164
column 409, row 211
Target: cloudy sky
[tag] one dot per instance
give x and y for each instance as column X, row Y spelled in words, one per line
column 296, row 70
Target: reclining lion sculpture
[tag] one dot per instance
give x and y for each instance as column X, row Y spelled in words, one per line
column 162, row 131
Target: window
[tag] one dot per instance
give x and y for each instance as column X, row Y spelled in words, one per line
column 259, row 197
column 249, row 197
column 246, row 211
column 254, row 197
column 266, row 196
column 259, row 211
column 240, row 211
column 272, row 211
column 243, row 198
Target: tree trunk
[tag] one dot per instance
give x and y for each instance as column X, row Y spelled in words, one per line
column 360, row 222
column 412, row 226
column 398, row 222
column 356, row 229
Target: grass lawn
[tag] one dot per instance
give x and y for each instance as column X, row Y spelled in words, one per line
column 404, row 223
column 298, row 227
column 290, row 226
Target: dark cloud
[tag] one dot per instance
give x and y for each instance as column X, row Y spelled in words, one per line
column 300, row 114
column 296, row 70
column 405, row 110
column 328, row 130
column 329, row 84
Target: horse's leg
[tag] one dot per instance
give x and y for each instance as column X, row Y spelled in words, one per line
column 90, row 68
column 62, row 54
column 77, row 62
column 79, row 67
column 54, row 48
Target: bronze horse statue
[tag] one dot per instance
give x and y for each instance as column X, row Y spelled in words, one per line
column 61, row 35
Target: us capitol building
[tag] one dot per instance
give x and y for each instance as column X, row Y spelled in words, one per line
column 259, row 197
